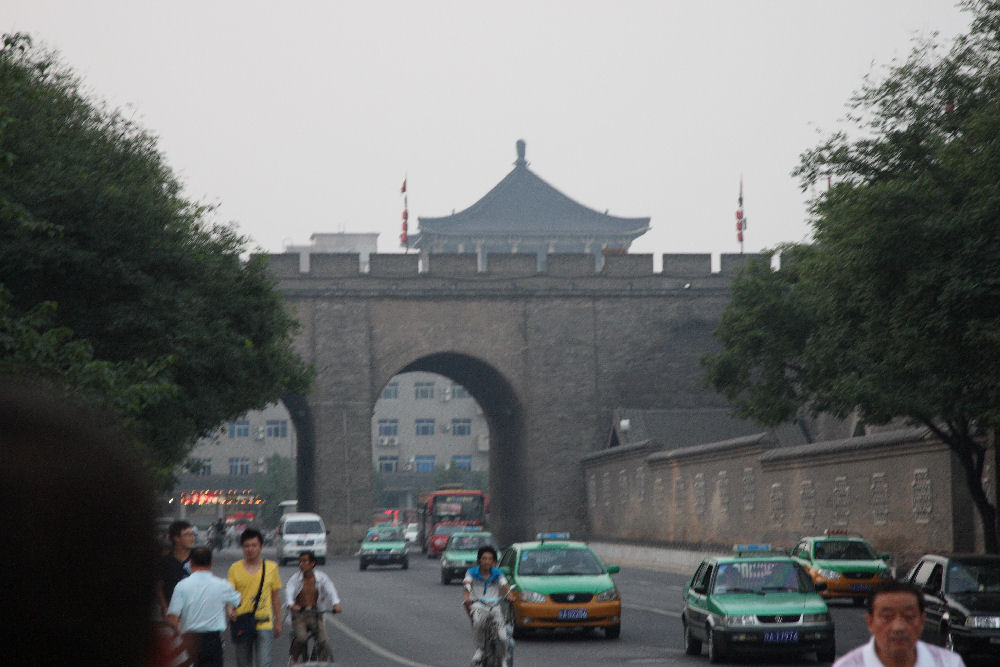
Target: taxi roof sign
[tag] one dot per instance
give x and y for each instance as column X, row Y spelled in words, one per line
column 541, row 537
column 743, row 548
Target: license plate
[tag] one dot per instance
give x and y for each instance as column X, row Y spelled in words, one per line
column 382, row 556
column 860, row 588
column 572, row 614
column 781, row 636
column 305, row 543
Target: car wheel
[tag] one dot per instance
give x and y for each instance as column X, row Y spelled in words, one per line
column 613, row 631
column 406, row 563
column 282, row 562
column 445, row 579
column 827, row 654
column 692, row 645
column 363, row 565
column 714, row 653
column 519, row 633
column 858, row 601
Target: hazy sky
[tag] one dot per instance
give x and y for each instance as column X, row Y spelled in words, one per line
column 303, row 117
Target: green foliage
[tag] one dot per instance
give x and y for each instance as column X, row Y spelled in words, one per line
column 278, row 485
column 96, row 238
column 894, row 311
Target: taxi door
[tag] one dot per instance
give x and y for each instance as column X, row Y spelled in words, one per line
column 696, row 599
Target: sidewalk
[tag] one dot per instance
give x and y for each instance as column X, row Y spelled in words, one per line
column 678, row 561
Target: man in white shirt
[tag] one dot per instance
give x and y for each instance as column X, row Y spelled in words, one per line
column 199, row 608
column 896, row 619
column 308, row 594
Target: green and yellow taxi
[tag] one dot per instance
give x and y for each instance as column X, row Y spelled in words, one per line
column 561, row 583
column 383, row 545
column 848, row 565
column 755, row 600
column 460, row 553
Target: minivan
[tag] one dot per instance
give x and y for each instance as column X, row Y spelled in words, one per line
column 298, row 532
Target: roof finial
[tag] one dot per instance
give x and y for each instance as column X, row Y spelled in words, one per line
column 520, row 154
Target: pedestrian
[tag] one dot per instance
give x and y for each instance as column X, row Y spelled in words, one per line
column 175, row 565
column 249, row 575
column 199, row 607
column 895, row 617
column 308, row 594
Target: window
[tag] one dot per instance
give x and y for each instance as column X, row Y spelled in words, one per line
column 239, row 465
column 458, row 391
column 203, row 466
column 461, row 426
column 425, row 427
column 388, row 463
column 240, row 429
column 277, row 428
column 424, row 463
column 388, row 427
column 423, row 390
column 461, row 462
column 391, row 390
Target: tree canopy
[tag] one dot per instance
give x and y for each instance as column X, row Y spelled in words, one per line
column 113, row 282
column 894, row 310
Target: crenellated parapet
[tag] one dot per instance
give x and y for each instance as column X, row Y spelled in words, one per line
column 504, row 271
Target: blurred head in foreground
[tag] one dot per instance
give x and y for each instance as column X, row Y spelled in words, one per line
column 77, row 519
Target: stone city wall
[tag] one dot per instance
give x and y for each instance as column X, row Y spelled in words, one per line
column 900, row 490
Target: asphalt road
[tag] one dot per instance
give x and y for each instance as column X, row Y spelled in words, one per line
column 398, row 617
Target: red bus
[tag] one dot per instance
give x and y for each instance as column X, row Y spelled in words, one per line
column 445, row 511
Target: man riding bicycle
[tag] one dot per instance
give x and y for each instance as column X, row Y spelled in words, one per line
column 308, row 594
column 483, row 583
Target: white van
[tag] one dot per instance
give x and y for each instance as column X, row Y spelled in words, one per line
column 298, row 532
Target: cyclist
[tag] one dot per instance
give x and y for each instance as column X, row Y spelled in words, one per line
column 308, row 594
column 484, row 582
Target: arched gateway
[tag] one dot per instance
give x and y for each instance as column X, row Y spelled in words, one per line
column 547, row 355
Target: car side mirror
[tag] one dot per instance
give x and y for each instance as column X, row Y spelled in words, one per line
column 613, row 569
column 820, row 586
column 884, row 557
column 700, row 590
column 328, row 532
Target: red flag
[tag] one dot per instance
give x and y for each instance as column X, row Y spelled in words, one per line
column 403, row 189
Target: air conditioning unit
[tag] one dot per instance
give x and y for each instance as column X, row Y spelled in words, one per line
column 445, row 428
column 259, row 432
column 392, row 441
column 445, row 395
column 383, row 441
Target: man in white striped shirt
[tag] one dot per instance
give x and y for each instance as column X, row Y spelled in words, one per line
column 896, row 619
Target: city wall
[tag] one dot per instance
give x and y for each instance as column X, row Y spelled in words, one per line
column 900, row 489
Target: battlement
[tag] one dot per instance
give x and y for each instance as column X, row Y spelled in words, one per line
column 326, row 266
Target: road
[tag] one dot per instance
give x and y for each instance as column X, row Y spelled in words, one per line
column 398, row 617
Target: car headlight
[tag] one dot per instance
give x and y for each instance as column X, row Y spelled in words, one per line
column 740, row 619
column 608, row 595
column 396, row 552
column 530, row 596
column 828, row 574
column 816, row 618
column 983, row 622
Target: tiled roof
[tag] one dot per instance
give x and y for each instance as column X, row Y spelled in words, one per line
column 524, row 204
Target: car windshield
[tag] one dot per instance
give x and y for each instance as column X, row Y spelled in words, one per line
column 470, row 542
column 972, row 577
column 384, row 536
column 448, row 530
column 535, row 562
column 302, row 527
column 761, row 577
column 844, row 550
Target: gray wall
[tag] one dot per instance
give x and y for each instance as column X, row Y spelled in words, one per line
column 548, row 356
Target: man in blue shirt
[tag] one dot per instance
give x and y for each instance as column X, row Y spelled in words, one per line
column 199, row 608
column 484, row 586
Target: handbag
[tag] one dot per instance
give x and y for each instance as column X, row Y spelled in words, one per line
column 244, row 626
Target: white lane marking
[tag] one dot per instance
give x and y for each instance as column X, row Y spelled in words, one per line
column 653, row 610
column 372, row 646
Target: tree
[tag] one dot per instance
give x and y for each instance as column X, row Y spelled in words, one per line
column 278, row 485
column 93, row 225
column 894, row 310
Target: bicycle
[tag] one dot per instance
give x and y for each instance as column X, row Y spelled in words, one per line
column 493, row 649
column 316, row 651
